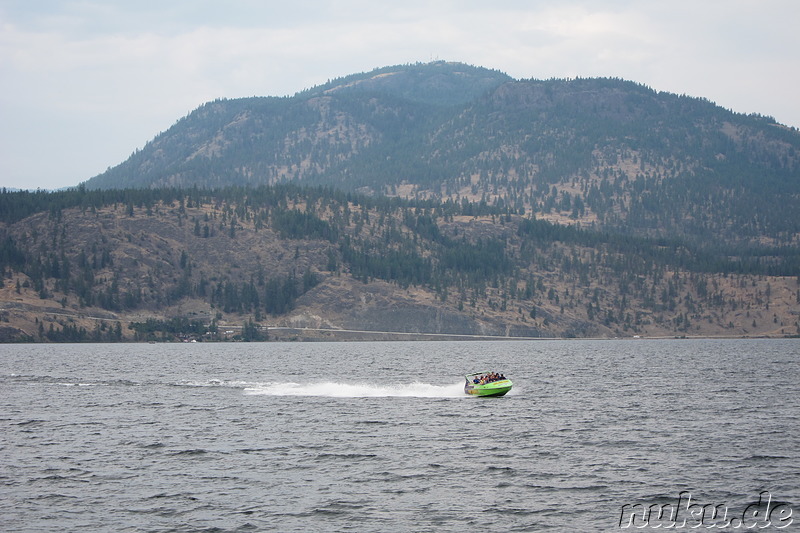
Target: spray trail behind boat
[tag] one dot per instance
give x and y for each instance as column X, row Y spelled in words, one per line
column 357, row 390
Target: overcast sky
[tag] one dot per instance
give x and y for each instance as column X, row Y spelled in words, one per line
column 84, row 83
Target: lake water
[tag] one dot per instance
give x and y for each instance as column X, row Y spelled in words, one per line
column 380, row 436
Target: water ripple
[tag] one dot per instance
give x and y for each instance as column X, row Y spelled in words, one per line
column 380, row 437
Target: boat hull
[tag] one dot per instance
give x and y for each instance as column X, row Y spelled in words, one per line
column 495, row 388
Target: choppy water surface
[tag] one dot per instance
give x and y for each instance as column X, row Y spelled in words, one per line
column 380, row 437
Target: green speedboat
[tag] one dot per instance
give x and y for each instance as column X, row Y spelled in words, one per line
column 487, row 384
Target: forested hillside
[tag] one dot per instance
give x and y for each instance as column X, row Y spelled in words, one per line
column 148, row 264
column 433, row 198
column 607, row 154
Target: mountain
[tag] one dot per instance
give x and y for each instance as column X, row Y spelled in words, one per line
column 430, row 199
column 604, row 153
column 259, row 141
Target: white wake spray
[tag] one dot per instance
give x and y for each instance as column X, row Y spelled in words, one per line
column 357, row 390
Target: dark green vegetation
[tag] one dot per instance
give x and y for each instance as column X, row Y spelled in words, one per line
column 438, row 197
column 607, row 153
column 254, row 252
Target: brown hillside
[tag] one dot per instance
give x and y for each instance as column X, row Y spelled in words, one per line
column 157, row 259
